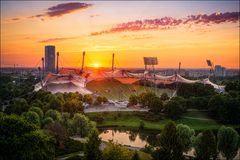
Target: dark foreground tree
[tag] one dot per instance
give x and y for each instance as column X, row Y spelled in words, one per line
column 92, row 151
column 21, row 139
column 135, row 156
column 173, row 109
column 18, row 106
column 228, row 140
column 205, row 145
column 170, row 146
column 156, row 104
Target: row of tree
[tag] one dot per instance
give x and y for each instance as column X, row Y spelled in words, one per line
column 222, row 107
column 174, row 140
column 173, row 108
column 63, row 102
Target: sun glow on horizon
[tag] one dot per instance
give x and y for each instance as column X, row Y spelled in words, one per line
column 96, row 65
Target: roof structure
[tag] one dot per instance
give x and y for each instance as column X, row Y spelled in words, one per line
column 73, row 80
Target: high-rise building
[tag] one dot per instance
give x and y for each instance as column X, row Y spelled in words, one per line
column 50, row 58
column 220, row 70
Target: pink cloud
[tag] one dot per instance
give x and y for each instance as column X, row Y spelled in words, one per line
column 170, row 22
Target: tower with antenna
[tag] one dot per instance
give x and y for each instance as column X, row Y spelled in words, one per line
column 83, row 58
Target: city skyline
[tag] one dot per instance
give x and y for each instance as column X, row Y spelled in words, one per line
column 186, row 32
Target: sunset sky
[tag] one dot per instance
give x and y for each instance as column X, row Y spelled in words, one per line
column 174, row 31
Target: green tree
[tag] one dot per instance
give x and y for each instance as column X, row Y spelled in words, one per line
column 215, row 103
column 232, row 86
column 18, row 106
column 205, row 145
column 21, row 139
column 227, row 142
column 169, row 143
column 55, row 102
column 65, row 121
column 145, row 98
column 81, row 125
column 73, row 106
column 135, row 156
column 104, row 99
column 88, row 99
column 133, row 100
column 54, row 114
column 38, row 111
column 173, row 109
column 156, row 104
column 98, row 100
column 164, row 96
column 92, row 151
column 230, row 112
column 116, row 152
column 32, row 117
column 186, row 135
column 47, row 121
column 197, row 90
column 59, row 132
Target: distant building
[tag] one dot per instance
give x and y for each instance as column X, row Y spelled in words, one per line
column 50, row 59
column 220, row 70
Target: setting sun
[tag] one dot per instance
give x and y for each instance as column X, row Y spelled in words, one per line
column 96, row 65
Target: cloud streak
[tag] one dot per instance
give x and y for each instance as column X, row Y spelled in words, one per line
column 62, row 9
column 170, row 22
column 56, row 39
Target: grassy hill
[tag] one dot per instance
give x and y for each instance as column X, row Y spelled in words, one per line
column 115, row 90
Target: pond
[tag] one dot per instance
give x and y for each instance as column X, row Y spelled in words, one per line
column 134, row 138
column 128, row 138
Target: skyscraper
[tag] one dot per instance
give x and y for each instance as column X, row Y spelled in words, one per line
column 50, row 58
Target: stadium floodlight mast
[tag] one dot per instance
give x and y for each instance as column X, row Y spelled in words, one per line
column 211, row 65
column 150, row 61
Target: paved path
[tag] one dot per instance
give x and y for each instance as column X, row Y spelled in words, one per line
column 204, row 119
column 113, row 108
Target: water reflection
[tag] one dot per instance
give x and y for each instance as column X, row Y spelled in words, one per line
column 130, row 138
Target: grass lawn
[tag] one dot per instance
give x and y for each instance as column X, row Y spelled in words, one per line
column 132, row 120
column 115, row 90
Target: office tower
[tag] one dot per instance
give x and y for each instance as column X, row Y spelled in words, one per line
column 220, row 70
column 50, row 59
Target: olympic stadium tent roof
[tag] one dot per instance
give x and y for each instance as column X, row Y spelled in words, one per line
column 68, row 80
column 72, row 80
